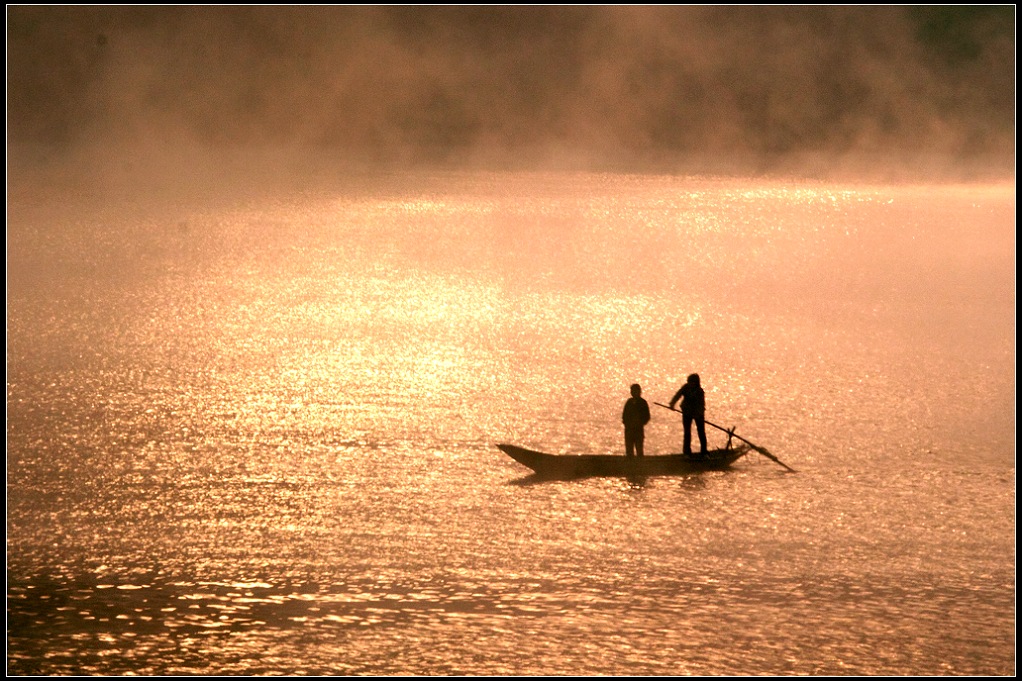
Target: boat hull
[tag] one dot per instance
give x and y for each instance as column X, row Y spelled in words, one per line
column 589, row 465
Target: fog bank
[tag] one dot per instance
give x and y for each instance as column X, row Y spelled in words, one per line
column 812, row 90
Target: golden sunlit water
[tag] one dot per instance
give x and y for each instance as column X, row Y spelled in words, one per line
column 259, row 438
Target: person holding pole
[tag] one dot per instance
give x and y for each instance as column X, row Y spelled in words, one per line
column 693, row 408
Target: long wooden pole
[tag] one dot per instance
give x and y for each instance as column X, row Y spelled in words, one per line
column 730, row 432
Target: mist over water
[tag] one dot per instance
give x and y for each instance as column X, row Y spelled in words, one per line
column 691, row 89
column 279, row 280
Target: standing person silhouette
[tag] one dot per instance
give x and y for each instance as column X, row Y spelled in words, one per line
column 635, row 417
column 693, row 408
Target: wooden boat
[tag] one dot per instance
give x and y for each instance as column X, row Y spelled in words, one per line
column 588, row 465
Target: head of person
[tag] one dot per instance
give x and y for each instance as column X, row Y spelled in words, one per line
column 636, row 390
column 693, row 379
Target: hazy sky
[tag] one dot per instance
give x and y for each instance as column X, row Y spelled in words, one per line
column 604, row 87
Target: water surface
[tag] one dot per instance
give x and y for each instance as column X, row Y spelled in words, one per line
column 258, row 438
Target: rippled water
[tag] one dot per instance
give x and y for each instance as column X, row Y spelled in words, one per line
column 260, row 438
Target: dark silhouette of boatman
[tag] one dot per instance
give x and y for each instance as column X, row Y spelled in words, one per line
column 635, row 417
column 693, row 408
